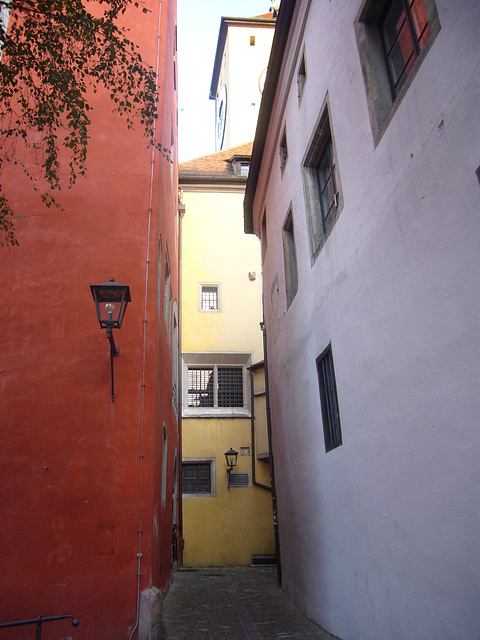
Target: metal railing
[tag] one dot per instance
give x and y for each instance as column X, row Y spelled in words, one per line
column 38, row 621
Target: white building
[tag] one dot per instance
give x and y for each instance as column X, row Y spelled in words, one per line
column 239, row 72
column 364, row 187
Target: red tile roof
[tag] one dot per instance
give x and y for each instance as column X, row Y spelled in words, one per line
column 216, row 167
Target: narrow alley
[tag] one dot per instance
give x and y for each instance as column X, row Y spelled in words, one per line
column 233, row 604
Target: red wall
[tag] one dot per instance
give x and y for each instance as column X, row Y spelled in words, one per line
column 80, row 475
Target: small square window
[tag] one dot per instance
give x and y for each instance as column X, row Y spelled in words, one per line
column 208, row 297
column 283, row 151
column 290, row 259
column 329, row 400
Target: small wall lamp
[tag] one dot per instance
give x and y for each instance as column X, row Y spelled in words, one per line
column 111, row 300
column 231, row 458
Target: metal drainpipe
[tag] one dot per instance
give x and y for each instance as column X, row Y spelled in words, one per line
column 270, row 458
column 252, row 392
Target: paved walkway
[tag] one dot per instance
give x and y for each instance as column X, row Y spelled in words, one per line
column 233, row 604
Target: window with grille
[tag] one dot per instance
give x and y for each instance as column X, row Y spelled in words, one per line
column 215, row 386
column 197, row 478
column 329, row 400
column 209, row 297
column 322, row 184
column 393, row 38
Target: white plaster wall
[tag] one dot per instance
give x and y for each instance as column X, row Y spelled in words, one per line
column 245, row 65
column 380, row 538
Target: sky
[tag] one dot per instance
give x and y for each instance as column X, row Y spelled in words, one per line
column 198, row 26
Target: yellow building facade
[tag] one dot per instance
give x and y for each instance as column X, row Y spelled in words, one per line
column 221, row 339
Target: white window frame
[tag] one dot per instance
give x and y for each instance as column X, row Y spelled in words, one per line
column 219, row 296
column 208, row 359
column 213, row 477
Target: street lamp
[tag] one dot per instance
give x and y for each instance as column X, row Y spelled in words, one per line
column 231, row 458
column 111, row 300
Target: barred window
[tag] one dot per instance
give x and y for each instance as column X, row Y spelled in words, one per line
column 230, row 386
column 209, row 300
column 215, row 386
column 200, row 387
column 329, row 400
column 196, row 477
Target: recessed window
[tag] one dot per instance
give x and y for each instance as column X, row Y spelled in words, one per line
column 215, row 384
column 290, row 259
column 209, row 297
column 329, row 400
column 252, row 41
column 322, row 184
column 393, row 38
column 301, row 78
column 167, row 297
column 404, row 30
column 164, row 465
column 264, row 234
column 283, row 151
column 198, row 478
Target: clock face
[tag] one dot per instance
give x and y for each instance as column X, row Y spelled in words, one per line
column 261, row 80
column 221, row 117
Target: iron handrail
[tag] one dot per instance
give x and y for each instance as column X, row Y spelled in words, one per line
column 38, row 621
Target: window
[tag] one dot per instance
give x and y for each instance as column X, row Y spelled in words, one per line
column 404, row 30
column 244, row 169
column 393, row 38
column 208, row 297
column 159, row 275
column 175, row 356
column 301, row 78
column 215, row 384
column 322, row 184
column 264, row 234
column 290, row 259
column 329, row 400
column 164, row 465
column 252, row 41
column 198, row 477
column 167, row 296
column 283, row 151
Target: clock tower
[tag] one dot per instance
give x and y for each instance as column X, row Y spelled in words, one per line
column 239, row 71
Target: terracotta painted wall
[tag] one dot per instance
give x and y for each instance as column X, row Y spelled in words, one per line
column 80, row 474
